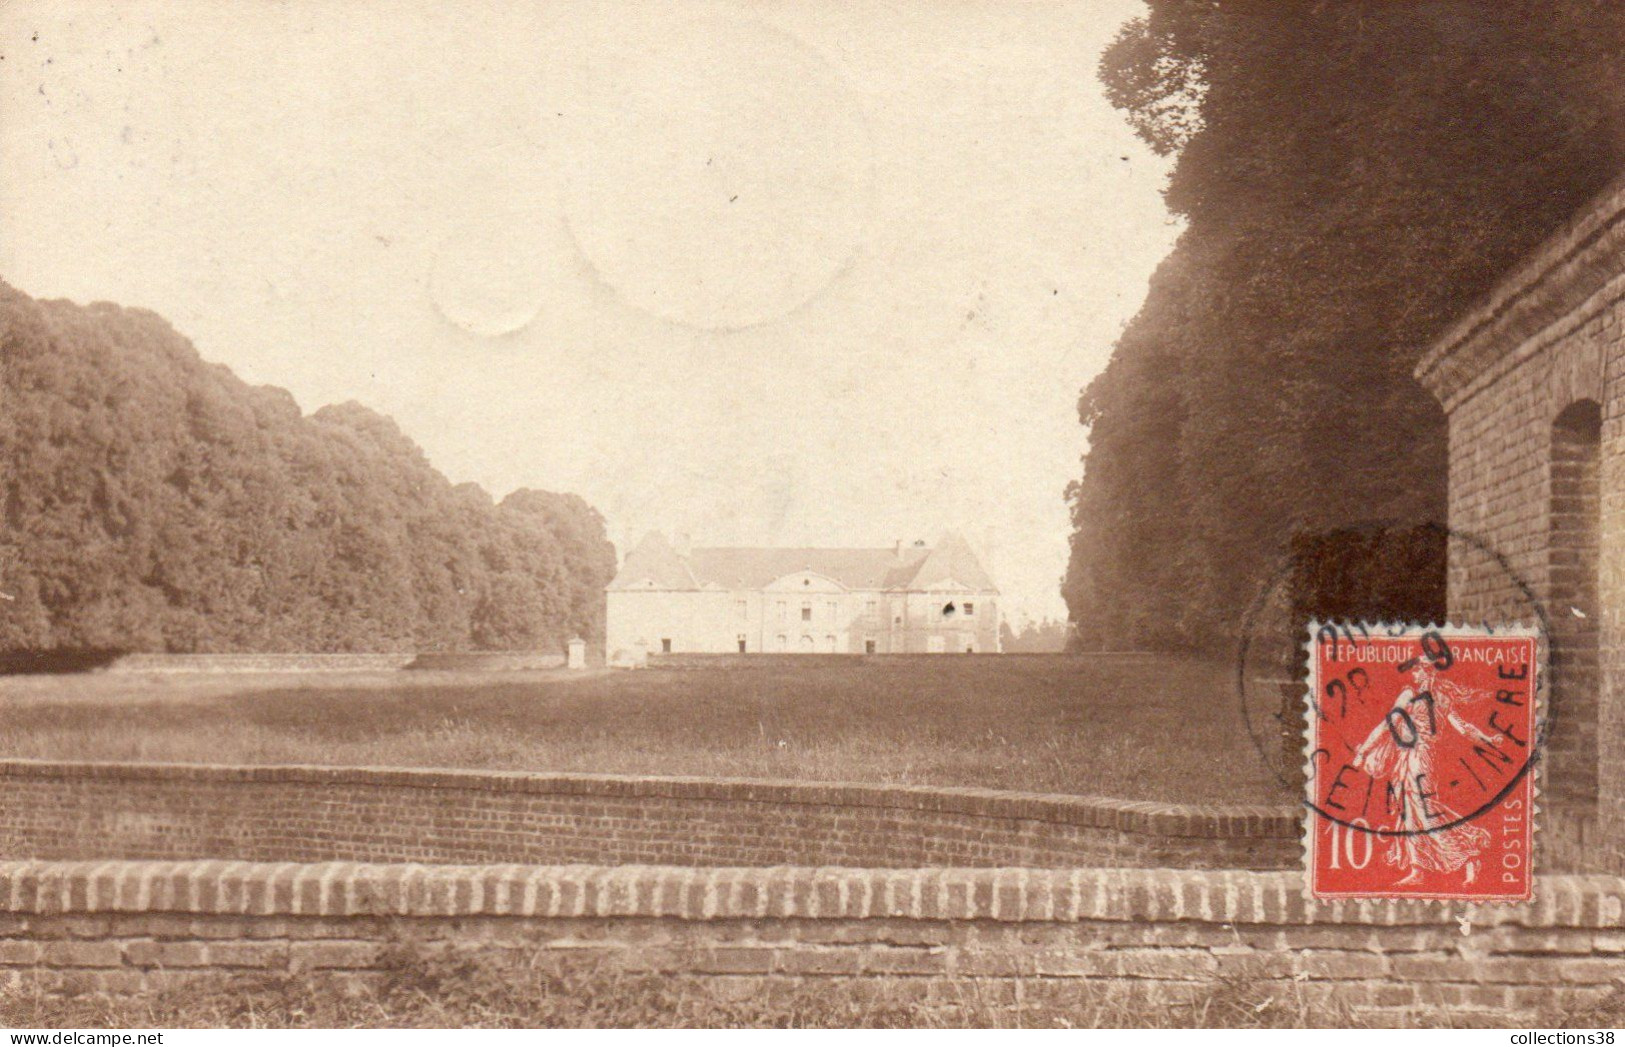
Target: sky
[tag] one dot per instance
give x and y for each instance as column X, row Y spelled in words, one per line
column 762, row 273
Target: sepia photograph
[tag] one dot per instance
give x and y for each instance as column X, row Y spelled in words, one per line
column 776, row 514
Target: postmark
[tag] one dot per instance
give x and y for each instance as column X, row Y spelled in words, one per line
column 1272, row 657
column 1421, row 745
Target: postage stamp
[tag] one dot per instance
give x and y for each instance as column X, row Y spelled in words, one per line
column 1420, row 761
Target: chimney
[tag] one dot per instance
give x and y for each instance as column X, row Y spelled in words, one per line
column 684, row 544
column 897, row 549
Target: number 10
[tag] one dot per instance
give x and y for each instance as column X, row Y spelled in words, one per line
column 1347, row 836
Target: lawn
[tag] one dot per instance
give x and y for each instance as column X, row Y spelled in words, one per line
column 1167, row 729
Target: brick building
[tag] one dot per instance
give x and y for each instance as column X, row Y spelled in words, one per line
column 904, row 599
column 1532, row 379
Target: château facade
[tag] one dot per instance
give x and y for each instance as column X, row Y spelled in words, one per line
column 907, row 599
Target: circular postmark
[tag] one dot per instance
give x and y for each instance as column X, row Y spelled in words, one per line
column 1380, row 713
column 1440, row 716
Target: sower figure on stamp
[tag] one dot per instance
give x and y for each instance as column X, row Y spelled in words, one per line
column 1403, row 750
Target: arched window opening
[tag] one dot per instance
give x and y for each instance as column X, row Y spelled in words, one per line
column 1573, row 547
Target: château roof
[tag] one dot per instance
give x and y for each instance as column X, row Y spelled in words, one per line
column 656, row 564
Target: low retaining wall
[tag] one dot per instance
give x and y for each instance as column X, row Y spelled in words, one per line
column 486, row 662
column 472, row 661
column 258, row 663
column 780, row 661
column 1157, row 936
column 312, row 814
column 797, row 660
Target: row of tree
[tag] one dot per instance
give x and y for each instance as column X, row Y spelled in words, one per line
column 1351, row 173
column 1033, row 637
column 156, row 502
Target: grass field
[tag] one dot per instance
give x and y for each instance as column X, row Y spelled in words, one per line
column 1169, row 729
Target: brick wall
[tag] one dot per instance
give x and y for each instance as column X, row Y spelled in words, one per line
column 1537, row 495
column 1157, row 936
column 311, row 814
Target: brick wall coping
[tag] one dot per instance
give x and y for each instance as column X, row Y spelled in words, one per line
column 1578, row 262
column 331, row 889
column 1132, row 816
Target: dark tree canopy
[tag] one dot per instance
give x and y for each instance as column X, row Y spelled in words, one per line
column 156, row 502
column 1352, row 174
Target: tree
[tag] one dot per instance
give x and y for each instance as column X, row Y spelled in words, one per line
column 155, row 502
column 1352, row 173
column 1045, row 637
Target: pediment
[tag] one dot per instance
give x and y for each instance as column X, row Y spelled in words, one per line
column 804, row 582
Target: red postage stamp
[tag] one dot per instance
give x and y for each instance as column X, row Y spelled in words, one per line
column 1421, row 770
